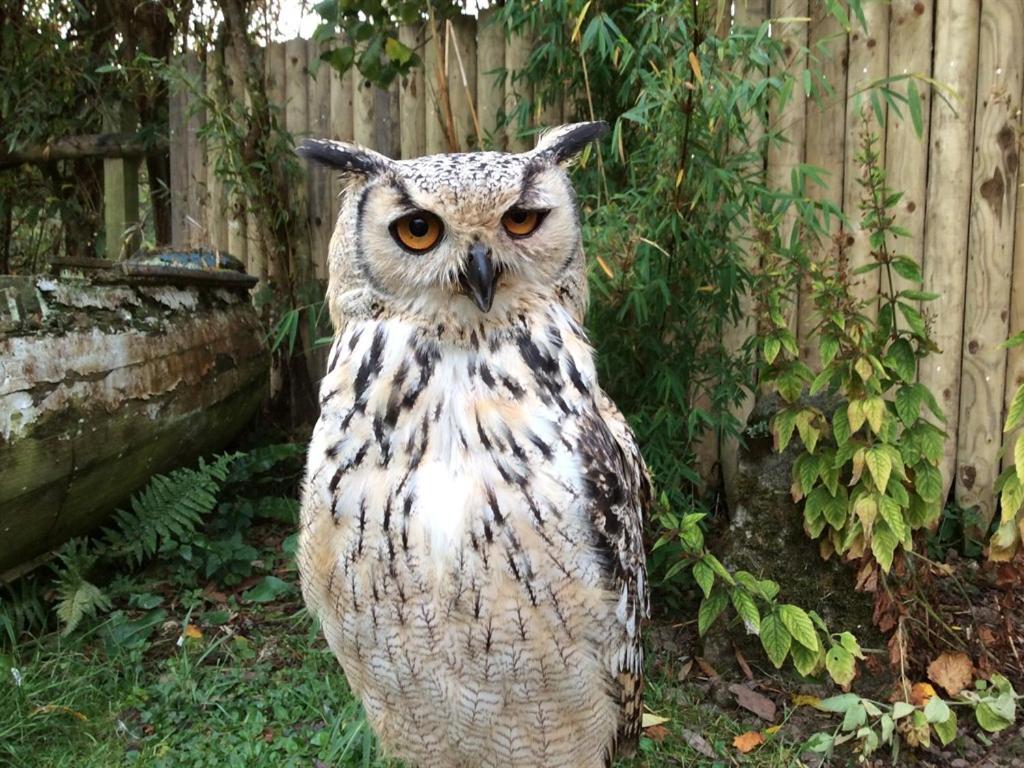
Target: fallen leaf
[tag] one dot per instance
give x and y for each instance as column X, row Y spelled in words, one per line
column 754, row 702
column 771, row 730
column 921, row 694
column 656, row 733
column 649, row 720
column 744, row 666
column 698, row 743
column 684, row 671
column 49, row 709
column 706, row 668
column 268, row 735
column 952, row 671
column 192, row 632
column 806, row 700
column 748, row 741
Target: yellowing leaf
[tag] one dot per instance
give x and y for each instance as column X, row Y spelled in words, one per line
column 749, row 741
column 650, row 719
column 49, row 709
column 605, row 268
column 921, row 693
column 806, row 700
column 695, row 66
column 192, row 632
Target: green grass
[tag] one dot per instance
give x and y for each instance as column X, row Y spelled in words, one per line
column 250, row 684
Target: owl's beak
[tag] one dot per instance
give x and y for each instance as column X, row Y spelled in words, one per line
column 479, row 276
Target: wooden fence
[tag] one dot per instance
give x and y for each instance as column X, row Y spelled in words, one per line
column 961, row 201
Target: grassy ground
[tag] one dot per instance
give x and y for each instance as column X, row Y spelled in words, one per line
column 239, row 676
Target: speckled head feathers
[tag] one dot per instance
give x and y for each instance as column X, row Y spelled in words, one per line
column 468, row 194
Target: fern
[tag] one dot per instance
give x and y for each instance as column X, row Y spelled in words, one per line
column 22, row 607
column 77, row 596
column 168, row 510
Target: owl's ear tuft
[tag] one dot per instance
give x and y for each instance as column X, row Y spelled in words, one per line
column 562, row 144
column 349, row 159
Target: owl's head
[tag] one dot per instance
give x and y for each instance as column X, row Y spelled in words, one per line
column 459, row 238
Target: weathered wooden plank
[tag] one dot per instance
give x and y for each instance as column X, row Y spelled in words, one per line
column 824, row 147
column 518, row 93
column 216, row 202
column 236, row 201
column 197, row 178
column 490, row 60
column 1015, row 356
column 341, row 126
column 990, row 253
column 751, row 13
column 789, row 119
column 906, row 154
column 178, row 137
column 274, row 67
column 461, row 63
column 318, row 184
column 296, row 117
column 412, row 98
column 436, row 90
column 868, row 63
column 948, row 208
column 121, row 195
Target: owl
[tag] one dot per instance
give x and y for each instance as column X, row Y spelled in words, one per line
column 472, row 508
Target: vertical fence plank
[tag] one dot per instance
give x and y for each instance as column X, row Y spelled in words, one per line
column 990, row 253
column 785, row 155
column 825, row 145
column 1015, row 356
column 235, row 99
column 363, row 100
column 296, row 118
column 216, row 203
column 121, row 192
column 197, row 177
column 411, row 98
column 275, row 69
column 436, row 85
column 948, row 208
column 318, row 183
column 341, row 126
column 518, row 93
column 906, row 154
column 868, row 63
column 490, row 60
column 177, row 131
column 256, row 257
column 461, row 62
column 751, row 13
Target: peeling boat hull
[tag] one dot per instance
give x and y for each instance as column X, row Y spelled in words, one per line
column 102, row 385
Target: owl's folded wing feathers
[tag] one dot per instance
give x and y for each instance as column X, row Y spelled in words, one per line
column 620, row 493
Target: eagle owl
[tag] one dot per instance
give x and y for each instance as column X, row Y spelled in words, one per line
column 471, row 516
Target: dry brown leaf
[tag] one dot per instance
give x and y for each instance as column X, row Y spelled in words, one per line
column 706, row 668
column 952, row 671
column 698, row 743
column 921, row 694
column 744, row 666
column 748, row 741
column 754, row 702
column 656, row 733
column 684, row 670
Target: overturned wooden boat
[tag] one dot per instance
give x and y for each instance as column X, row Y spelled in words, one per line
column 110, row 373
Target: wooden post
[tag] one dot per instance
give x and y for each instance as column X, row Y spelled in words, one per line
column 178, row 135
column 826, row 142
column 318, row 183
column 868, row 63
column 948, row 209
column 1015, row 356
column 197, row 175
column 789, row 121
column 121, row 193
column 990, row 253
column 751, row 13
column 216, row 204
column 490, row 61
column 411, row 97
column 518, row 93
column 296, row 118
column 461, row 61
column 906, row 154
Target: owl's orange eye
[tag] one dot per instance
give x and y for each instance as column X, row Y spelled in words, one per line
column 417, row 232
column 520, row 223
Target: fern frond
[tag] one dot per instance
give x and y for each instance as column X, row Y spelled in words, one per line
column 167, row 510
column 78, row 598
column 258, row 462
column 22, row 607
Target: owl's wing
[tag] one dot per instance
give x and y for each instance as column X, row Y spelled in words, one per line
column 619, row 490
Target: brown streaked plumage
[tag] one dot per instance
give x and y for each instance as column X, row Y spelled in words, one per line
column 471, row 521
